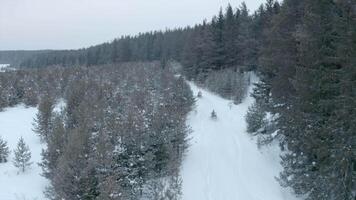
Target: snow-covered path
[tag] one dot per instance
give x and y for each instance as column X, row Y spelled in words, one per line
column 14, row 123
column 223, row 161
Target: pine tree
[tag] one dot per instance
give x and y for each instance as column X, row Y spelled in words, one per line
column 75, row 176
column 4, row 151
column 255, row 118
column 43, row 120
column 279, row 54
column 218, row 55
column 114, row 51
column 22, row 155
column 229, row 36
column 245, row 41
column 55, row 147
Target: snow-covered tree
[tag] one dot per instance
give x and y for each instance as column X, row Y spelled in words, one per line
column 255, row 118
column 22, row 155
column 4, row 151
column 55, row 145
column 43, row 118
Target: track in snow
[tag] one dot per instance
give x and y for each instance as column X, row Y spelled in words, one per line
column 223, row 161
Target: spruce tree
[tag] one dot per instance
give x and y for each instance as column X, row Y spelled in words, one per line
column 255, row 118
column 279, row 54
column 229, row 32
column 4, row 151
column 245, row 41
column 43, row 120
column 55, row 147
column 218, row 56
column 22, row 155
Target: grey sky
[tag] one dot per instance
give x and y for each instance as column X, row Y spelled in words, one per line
column 67, row 24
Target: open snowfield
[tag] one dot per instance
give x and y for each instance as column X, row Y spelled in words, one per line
column 223, row 161
column 14, row 123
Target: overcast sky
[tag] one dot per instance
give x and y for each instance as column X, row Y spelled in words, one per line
column 71, row 24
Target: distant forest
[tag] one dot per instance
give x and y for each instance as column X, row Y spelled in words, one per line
column 230, row 39
column 304, row 52
column 15, row 58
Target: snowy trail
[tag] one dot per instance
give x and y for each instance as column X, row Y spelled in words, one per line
column 223, row 161
column 14, row 123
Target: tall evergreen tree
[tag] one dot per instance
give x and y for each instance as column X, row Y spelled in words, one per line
column 229, row 32
column 245, row 41
column 218, row 55
column 43, row 120
column 4, row 151
column 56, row 142
column 279, row 55
column 255, row 118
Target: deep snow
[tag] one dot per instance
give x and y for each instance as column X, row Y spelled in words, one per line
column 14, row 123
column 223, row 162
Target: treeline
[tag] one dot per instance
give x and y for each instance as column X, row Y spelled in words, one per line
column 15, row 58
column 121, row 135
column 232, row 39
column 308, row 81
column 152, row 46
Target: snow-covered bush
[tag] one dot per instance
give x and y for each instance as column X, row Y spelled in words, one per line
column 167, row 188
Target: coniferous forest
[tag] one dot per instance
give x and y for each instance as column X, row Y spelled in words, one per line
column 124, row 121
column 121, row 132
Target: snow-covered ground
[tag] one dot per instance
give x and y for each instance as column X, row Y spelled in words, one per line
column 223, row 161
column 14, row 123
column 3, row 67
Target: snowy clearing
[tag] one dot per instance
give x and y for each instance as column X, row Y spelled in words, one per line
column 4, row 67
column 223, row 161
column 14, row 123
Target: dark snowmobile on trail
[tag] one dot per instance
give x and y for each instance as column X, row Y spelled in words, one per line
column 200, row 94
column 213, row 115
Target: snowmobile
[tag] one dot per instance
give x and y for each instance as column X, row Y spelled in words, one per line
column 200, row 95
column 213, row 115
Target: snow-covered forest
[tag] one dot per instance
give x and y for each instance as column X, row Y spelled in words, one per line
column 122, row 126
column 247, row 105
